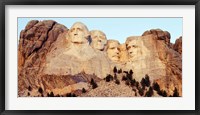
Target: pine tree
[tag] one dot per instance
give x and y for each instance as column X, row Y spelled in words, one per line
column 127, row 82
column 156, row 86
column 117, row 82
column 74, row 95
column 115, row 69
column 109, row 78
column 129, row 76
column 94, row 86
column 147, row 81
column 48, row 95
column 51, row 94
column 57, row 95
column 68, row 95
column 142, row 82
column 115, row 76
column 141, row 91
column 176, row 94
column 92, row 81
column 164, row 94
column 137, row 84
column 83, row 90
column 124, row 78
column 131, row 72
column 126, row 72
column 151, row 90
column 133, row 83
column 149, row 93
column 29, row 88
column 119, row 71
column 40, row 90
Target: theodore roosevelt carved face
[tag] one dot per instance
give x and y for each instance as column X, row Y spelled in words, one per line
column 113, row 50
column 99, row 40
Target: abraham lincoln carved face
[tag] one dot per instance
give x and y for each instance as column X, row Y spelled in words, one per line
column 113, row 50
column 132, row 47
column 99, row 39
column 78, row 33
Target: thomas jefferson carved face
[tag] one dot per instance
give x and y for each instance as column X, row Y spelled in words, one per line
column 78, row 33
column 113, row 50
column 99, row 40
column 132, row 47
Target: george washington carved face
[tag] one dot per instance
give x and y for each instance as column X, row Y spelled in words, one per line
column 113, row 50
column 99, row 39
column 78, row 33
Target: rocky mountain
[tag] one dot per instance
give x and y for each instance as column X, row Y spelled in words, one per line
column 34, row 43
column 56, row 61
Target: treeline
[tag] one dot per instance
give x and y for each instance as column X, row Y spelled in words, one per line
column 144, row 84
column 143, row 88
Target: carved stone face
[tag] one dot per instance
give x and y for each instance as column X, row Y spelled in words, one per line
column 99, row 40
column 113, row 50
column 132, row 47
column 78, row 33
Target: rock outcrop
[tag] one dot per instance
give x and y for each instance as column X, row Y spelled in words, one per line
column 178, row 45
column 166, row 65
column 34, row 43
column 47, row 56
column 160, row 35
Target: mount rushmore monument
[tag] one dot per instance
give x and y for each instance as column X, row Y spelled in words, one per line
column 56, row 61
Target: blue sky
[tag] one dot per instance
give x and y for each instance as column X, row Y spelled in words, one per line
column 118, row 28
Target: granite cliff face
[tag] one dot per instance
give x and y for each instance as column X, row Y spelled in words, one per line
column 178, row 45
column 171, row 73
column 59, row 60
column 35, row 42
